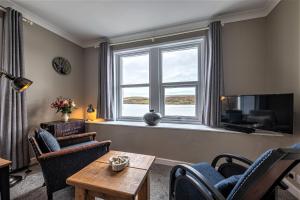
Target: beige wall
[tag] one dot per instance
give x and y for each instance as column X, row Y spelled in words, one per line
column 244, row 56
column 282, row 29
column 91, row 75
column 40, row 47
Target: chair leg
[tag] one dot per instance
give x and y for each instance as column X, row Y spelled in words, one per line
column 50, row 195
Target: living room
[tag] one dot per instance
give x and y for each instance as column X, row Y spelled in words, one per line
column 109, row 61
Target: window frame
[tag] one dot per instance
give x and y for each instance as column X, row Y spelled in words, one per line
column 120, row 86
column 157, row 98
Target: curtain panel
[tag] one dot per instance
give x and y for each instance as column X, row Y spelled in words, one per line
column 212, row 77
column 13, row 112
column 106, row 97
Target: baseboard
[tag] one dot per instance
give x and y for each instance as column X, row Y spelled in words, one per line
column 168, row 162
column 292, row 188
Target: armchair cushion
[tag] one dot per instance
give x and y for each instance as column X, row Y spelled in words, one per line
column 209, row 172
column 226, row 185
column 46, row 141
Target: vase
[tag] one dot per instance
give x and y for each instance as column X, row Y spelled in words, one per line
column 152, row 118
column 65, row 117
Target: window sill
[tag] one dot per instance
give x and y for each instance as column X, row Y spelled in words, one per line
column 197, row 127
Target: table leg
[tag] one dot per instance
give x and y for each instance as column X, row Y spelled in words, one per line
column 80, row 194
column 90, row 196
column 4, row 183
column 144, row 193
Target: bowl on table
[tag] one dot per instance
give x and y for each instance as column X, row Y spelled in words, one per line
column 118, row 163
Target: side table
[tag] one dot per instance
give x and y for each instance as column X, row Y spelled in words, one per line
column 4, row 179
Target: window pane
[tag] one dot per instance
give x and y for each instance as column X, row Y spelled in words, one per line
column 180, row 65
column 135, row 101
column 135, row 69
column 180, row 101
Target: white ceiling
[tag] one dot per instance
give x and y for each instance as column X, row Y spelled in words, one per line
column 87, row 20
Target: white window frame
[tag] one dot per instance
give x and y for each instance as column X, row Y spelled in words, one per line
column 156, row 87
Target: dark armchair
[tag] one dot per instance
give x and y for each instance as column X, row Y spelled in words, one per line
column 74, row 153
column 235, row 179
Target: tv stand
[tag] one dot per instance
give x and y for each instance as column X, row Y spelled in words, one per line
column 238, row 128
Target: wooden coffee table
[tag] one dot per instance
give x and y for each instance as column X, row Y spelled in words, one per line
column 98, row 180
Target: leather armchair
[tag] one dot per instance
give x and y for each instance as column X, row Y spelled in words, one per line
column 77, row 151
column 234, row 180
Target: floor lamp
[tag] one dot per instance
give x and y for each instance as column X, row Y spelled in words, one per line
column 19, row 84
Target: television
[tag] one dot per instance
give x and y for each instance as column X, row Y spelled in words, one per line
column 267, row 112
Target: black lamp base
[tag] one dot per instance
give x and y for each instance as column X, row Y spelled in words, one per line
column 14, row 179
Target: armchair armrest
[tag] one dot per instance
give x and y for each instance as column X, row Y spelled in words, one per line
column 229, row 158
column 198, row 181
column 242, row 159
column 65, row 152
column 76, row 138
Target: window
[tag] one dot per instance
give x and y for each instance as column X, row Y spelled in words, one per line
column 134, row 85
column 164, row 78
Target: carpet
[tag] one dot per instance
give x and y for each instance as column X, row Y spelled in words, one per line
column 31, row 188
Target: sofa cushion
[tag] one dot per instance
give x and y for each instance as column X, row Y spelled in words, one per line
column 225, row 186
column 46, row 141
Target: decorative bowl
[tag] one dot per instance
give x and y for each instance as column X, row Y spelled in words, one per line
column 152, row 118
column 118, row 163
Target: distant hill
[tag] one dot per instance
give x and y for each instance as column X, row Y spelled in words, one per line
column 136, row 100
column 170, row 100
column 180, row 100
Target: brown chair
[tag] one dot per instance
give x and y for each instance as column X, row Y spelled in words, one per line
column 76, row 152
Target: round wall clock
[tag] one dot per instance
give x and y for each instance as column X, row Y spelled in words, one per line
column 61, row 65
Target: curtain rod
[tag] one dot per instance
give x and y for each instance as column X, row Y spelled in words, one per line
column 2, row 8
column 158, row 37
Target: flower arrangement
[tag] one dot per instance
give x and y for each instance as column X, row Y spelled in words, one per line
column 65, row 106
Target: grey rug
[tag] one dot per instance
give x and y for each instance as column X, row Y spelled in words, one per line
column 31, row 188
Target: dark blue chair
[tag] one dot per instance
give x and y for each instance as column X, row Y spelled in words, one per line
column 234, row 180
column 62, row 157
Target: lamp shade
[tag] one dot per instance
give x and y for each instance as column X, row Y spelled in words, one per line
column 20, row 84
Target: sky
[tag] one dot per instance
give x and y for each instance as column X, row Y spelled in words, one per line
column 176, row 66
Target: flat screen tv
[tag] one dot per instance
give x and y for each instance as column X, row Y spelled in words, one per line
column 269, row 112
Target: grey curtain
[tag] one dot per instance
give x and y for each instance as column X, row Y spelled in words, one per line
column 13, row 113
column 105, row 103
column 212, row 74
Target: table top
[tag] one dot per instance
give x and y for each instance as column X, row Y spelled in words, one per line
column 139, row 161
column 99, row 177
column 4, row 163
